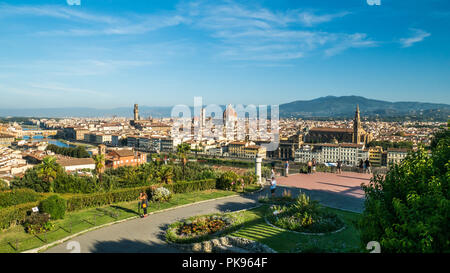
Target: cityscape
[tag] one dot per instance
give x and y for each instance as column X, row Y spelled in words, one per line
column 308, row 133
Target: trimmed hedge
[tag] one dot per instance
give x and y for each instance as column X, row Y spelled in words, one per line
column 77, row 202
column 13, row 215
column 18, row 196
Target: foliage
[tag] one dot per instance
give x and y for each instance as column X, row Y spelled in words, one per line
column 200, row 228
column 304, row 215
column 55, row 206
column 18, row 196
column 13, row 215
column 79, row 151
column 385, row 144
column 161, row 194
column 3, row 185
column 227, row 180
column 38, row 223
column 48, row 170
column 408, row 209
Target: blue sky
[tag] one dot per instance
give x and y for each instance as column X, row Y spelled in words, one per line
column 113, row 53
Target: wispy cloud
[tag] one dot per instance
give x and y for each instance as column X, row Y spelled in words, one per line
column 418, row 36
column 58, row 87
column 236, row 31
column 259, row 34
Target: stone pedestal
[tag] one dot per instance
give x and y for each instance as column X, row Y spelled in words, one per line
column 258, row 161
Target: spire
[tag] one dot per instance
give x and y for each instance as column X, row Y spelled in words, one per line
column 357, row 117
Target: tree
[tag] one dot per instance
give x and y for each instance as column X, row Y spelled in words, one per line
column 48, row 171
column 99, row 165
column 408, row 209
column 182, row 150
column 165, row 174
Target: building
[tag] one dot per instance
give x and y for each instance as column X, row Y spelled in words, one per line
column 6, row 140
column 76, row 164
column 355, row 135
column 168, row 144
column 375, row 156
column 236, row 148
column 348, row 153
column 252, row 151
column 395, row 156
column 287, row 147
column 124, row 157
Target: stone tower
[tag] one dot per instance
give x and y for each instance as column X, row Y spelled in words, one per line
column 136, row 112
column 357, row 127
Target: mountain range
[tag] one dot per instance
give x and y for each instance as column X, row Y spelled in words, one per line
column 323, row 107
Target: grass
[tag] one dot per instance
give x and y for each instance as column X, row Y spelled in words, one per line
column 16, row 239
column 285, row 242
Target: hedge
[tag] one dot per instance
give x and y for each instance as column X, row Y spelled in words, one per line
column 13, row 215
column 77, row 202
column 18, row 196
column 16, row 214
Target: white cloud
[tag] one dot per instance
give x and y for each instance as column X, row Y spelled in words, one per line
column 418, row 36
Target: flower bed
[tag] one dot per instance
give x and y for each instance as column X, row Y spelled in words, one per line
column 199, row 228
column 304, row 215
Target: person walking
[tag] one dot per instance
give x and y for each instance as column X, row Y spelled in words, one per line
column 143, row 200
column 367, row 165
column 314, row 165
column 339, row 166
column 309, row 166
column 273, row 186
column 361, row 165
column 286, row 167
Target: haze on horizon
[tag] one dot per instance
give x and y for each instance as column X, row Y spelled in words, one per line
column 162, row 53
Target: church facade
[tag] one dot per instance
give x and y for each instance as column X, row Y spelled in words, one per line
column 356, row 135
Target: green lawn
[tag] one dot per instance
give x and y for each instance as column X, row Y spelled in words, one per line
column 285, row 241
column 17, row 240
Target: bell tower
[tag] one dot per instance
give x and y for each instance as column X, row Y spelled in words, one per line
column 357, row 127
column 136, row 112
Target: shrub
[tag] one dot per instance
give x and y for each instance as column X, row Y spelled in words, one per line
column 38, row 223
column 161, row 194
column 13, row 215
column 55, row 206
column 304, row 215
column 201, row 228
column 227, row 180
column 18, row 196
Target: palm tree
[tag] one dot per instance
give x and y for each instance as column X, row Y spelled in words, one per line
column 99, row 165
column 182, row 150
column 165, row 174
column 48, row 170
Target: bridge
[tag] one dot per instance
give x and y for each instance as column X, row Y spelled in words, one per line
column 32, row 133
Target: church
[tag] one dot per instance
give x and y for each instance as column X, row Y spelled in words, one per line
column 355, row 135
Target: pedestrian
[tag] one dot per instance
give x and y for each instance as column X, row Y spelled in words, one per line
column 273, row 186
column 143, row 200
column 286, row 166
column 339, row 166
column 368, row 165
column 314, row 165
column 309, row 166
column 361, row 165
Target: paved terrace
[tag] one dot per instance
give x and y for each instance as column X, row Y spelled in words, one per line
column 341, row 191
column 146, row 235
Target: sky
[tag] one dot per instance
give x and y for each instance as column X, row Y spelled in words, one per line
column 114, row 53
